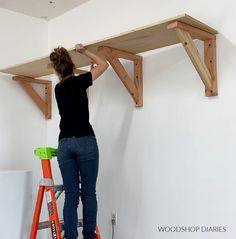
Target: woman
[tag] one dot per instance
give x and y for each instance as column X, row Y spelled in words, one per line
column 77, row 149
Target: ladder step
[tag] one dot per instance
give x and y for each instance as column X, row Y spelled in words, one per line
column 58, row 188
column 46, row 224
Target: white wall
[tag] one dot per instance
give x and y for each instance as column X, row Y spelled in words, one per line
column 22, row 125
column 16, row 201
column 171, row 162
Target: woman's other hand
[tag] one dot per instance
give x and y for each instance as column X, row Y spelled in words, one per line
column 80, row 48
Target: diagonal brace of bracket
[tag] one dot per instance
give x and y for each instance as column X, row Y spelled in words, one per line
column 44, row 105
column 207, row 68
column 135, row 86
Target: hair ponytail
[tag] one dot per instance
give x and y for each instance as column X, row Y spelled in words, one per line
column 62, row 62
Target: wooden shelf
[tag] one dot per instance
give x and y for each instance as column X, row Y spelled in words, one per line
column 181, row 29
column 136, row 41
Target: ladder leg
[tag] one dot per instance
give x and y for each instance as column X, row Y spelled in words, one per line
column 52, row 211
column 37, row 212
column 98, row 236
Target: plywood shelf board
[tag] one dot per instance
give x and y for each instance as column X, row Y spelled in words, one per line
column 139, row 40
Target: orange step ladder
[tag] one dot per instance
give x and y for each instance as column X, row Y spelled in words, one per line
column 52, row 193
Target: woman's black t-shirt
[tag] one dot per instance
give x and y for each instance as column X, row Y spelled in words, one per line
column 72, row 102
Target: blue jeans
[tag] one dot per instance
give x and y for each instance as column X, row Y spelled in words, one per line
column 79, row 156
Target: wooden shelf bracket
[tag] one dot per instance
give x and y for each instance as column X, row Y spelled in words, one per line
column 135, row 86
column 43, row 104
column 207, row 68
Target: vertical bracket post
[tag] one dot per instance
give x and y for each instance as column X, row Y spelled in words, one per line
column 135, row 86
column 207, row 68
column 210, row 61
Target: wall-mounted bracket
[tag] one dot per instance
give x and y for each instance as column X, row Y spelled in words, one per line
column 207, row 68
column 135, row 86
column 44, row 105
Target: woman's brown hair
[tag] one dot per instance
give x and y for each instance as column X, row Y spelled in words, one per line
column 62, row 62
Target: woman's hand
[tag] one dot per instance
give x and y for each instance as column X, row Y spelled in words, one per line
column 80, row 48
column 98, row 64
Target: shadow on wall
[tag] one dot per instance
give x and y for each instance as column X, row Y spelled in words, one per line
column 112, row 112
column 226, row 55
column 114, row 116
